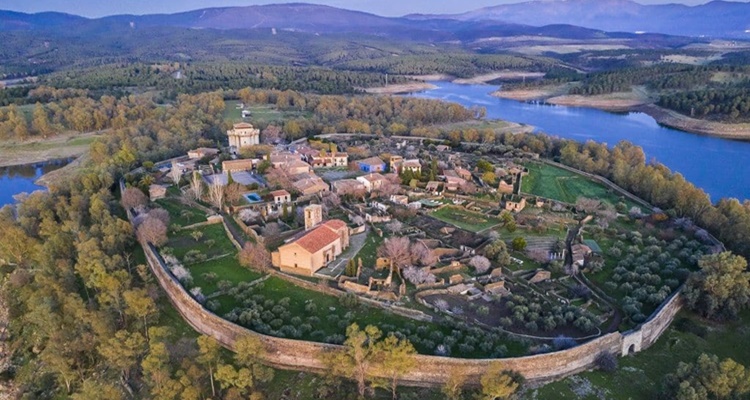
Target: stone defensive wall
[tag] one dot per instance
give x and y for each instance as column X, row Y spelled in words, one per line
column 433, row 370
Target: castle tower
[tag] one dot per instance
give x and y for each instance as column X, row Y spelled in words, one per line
column 313, row 216
column 243, row 135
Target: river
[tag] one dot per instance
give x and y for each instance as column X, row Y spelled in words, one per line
column 721, row 167
column 20, row 178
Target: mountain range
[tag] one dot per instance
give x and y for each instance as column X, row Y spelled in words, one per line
column 714, row 19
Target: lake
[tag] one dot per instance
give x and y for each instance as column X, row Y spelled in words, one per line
column 721, row 167
column 20, row 178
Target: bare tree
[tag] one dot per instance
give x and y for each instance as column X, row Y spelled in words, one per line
column 279, row 177
column 272, row 230
column 396, row 249
column 388, row 189
column 196, row 186
column 423, row 255
column 233, row 192
column 394, row 227
column 133, row 198
column 331, row 200
column 357, row 220
column 255, row 255
column 589, row 206
column 468, row 187
column 418, row 276
column 538, row 255
column 605, row 216
column 160, row 214
column 175, row 174
column 216, row 193
column 480, row 263
column 271, row 134
column 153, row 231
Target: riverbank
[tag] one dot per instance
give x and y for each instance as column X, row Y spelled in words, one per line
column 634, row 101
column 35, row 151
column 422, row 82
column 63, row 173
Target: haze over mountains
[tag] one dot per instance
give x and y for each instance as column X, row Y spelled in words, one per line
column 715, row 19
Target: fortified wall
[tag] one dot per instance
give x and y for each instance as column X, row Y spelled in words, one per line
column 433, row 370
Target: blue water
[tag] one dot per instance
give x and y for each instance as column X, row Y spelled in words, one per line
column 721, row 167
column 253, row 198
column 20, row 178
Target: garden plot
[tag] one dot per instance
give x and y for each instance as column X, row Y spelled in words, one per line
column 465, row 219
column 559, row 184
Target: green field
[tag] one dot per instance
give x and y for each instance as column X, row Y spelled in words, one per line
column 639, row 376
column 465, row 219
column 180, row 214
column 259, row 114
column 182, row 244
column 558, row 184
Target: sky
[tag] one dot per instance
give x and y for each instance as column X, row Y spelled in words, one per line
column 98, row 8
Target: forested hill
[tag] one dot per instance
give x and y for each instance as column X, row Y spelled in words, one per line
column 716, row 18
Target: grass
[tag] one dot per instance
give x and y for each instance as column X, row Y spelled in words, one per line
column 558, row 184
column 226, row 268
column 260, row 114
column 184, row 243
column 175, row 208
column 465, row 219
column 368, row 253
column 640, row 375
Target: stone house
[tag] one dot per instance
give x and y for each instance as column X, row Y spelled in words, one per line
column 347, row 186
column 156, row 192
column 237, row 165
column 202, row 152
column 514, row 203
column 372, row 164
column 372, row 182
column 281, row 197
column 412, row 165
column 314, row 249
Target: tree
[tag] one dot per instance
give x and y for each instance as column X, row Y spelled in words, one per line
column 480, row 263
column 271, row 134
column 255, row 255
column 216, row 194
column 140, row 305
column 40, row 122
column 423, row 255
column 394, row 227
column 497, row 383
column 358, row 356
column 708, row 379
column 175, row 174
column 123, row 351
column 153, row 231
column 453, row 388
column 133, row 198
column 518, row 244
column 721, row 289
column 587, row 205
column 208, row 356
column 397, row 359
column 233, row 192
column 196, row 186
column 397, row 250
column 489, row 178
column 498, row 251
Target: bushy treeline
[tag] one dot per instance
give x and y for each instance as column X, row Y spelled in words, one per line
column 72, row 110
column 731, row 104
column 359, row 114
column 202, row 77
column 85, row 318
column 455, row 64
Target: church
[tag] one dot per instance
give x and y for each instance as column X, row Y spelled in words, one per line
column 243, row 135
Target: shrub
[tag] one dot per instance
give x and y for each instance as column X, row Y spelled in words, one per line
column 563, row 342
column 606, row 362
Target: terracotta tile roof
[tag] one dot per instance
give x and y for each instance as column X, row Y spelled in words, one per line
column 279, row 193
column 318, row 238
column 374, row 177
column 335, row 224
column 243, row 125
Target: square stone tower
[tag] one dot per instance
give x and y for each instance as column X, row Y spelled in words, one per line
column 313, row 216
column 243, row 135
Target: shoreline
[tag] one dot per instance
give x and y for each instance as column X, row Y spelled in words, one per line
column 71, row 145
column 422, row 82
column 619, row 103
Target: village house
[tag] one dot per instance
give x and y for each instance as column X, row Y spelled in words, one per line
column 313, row 250
column 281, row 197
column 433, row 187
column 399, row 199
column 280, row 158
column 243, row 135
column 296, row 167
column 372, row 182
column 310, row 185
column 462, row 173
column 372, row 164
column 347, row 186
column 579, row 254
column 412, row 165
column 514, row 203
column 238, row 165
column 202, row 152
column 327, row 160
